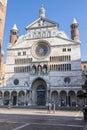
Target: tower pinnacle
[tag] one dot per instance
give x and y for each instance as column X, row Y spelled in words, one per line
column 14, row 27
column 42, row 10
column 13, row 34
column 74, row 21
column 74, row 30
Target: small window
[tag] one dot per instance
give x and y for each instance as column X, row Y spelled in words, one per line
column 24, row 52
column 19, row 53
column 14, row 33
column 67, row 80
column 69, row 49
column 64, row 49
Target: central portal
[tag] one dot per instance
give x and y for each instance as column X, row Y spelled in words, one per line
column 39, row 92
column 41, row 95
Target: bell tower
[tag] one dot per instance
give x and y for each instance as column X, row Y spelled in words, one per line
column 13, row 34
column 74, row 30
column 3, row 5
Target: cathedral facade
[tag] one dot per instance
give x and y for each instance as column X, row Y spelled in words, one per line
column 43, row 66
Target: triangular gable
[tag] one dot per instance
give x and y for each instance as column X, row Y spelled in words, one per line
column 41, row 22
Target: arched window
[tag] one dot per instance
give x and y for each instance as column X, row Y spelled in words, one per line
column 67, row 80
column 45, row 69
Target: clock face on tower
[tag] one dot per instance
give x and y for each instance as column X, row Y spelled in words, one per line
column 41, row 49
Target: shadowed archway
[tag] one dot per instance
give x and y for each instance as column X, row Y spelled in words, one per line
column 39, row 92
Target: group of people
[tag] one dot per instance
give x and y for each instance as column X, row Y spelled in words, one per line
column 51, row 107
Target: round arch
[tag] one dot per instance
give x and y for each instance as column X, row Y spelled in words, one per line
column 63, row 98
column 39, row 92
column 14, row 98
column 21, row 98
column 6, row 97
column 72, row 98
column 80, row 101
column 54, row 97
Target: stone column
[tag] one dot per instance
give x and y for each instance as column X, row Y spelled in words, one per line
column 9, row 98
column 67, row 100
column 76, row 99
column 50, row 91
column 30, row 98
column 47, row 96
column 25, row 98
column 59, row 100
column 17, row 99
column 2, row 104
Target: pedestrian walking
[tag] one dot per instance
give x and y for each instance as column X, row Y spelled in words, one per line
column 54, row 107
column 49, row 107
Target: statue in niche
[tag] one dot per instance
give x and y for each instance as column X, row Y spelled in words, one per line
column 41, row 23
column 33, row 70
column 26, row 83
column 39, row 69
column 44, row 70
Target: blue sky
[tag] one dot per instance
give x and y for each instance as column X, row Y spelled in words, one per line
column 23, row 12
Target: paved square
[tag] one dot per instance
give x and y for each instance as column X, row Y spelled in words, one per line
column 25, row 119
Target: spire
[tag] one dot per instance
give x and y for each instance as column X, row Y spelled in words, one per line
column 42, row 10
column 74, row 21
column 15, row 27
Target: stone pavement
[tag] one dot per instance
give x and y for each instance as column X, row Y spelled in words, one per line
column 40, row 111
column 38, row 119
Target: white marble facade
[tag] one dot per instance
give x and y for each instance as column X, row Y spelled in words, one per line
column 43, row 66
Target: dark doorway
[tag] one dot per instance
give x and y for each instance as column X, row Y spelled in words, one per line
column 14, row 100
column 41, row 95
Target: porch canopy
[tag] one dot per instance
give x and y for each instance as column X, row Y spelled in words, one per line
column 84, row 94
